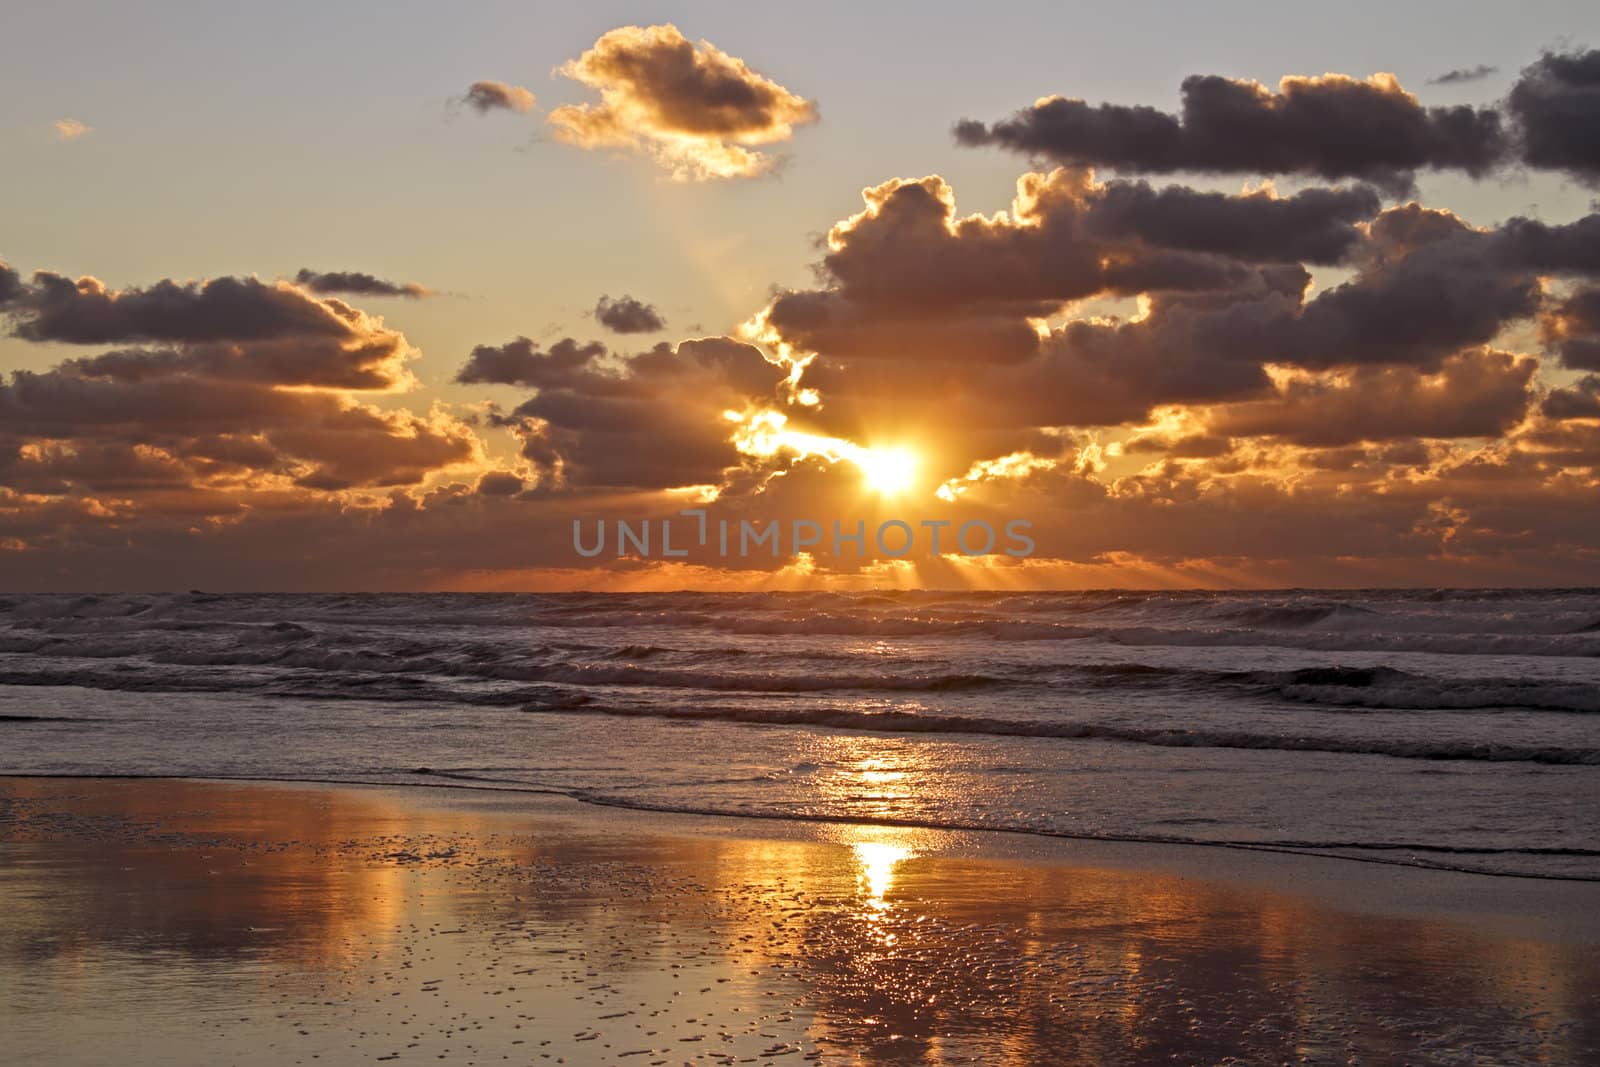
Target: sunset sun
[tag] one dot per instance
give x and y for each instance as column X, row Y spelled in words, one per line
column 888, row 471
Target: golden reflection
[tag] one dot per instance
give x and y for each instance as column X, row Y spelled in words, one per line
column 878, row 778
column 345, row 925
column 878, row 852
column 878, row 860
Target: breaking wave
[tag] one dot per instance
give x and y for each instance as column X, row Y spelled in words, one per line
column 908, row 723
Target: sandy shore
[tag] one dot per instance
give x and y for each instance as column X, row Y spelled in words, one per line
column 181, row 922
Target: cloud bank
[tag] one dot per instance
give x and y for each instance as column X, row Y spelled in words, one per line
column 1331, row 127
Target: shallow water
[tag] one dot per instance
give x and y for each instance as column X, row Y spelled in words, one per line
column 195, row 923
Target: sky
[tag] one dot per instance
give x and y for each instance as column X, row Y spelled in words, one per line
column 393, row 296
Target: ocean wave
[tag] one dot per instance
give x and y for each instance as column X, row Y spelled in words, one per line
column 901, row 722
column 1472, row 643
column 746, row 682
column 308, row 666
column 1408, row 692
column 1484, row 622
column 1376, row 688
column 1282, row 616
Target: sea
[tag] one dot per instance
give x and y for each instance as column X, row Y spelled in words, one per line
column 1441, row 728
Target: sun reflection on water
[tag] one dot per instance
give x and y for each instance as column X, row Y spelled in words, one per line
column 877, row 778
column 878, row 860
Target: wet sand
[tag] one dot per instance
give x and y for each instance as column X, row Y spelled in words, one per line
column 183, row 922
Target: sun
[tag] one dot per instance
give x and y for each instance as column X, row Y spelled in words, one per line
column 888, row 471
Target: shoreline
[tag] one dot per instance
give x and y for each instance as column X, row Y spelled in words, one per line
column 204, row 920
column 1528, row 901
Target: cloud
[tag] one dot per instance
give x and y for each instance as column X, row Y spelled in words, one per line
column 233, row 328
column 1432, row 286
column 1331, row 127
column 1581, row 400
column 520, row 362
column 1572, row 327
column 1462, row 75
column 692, row 107
column 243, row 388
column 627, row 315
column 71, row 129
column 209, row 432
column 11, row 286
column 486, row 96
column 1183, row 446
column 1569, row 248
column 1175, row 385
column 923, row 315
column 361, row 447
column 1313, row 226
column 1556, row 105
column 1564, row 444
column 911, row 280
column 86, row 311
column 355, row 283
column 500, row 483
column 1474, row 394
column 655, row 420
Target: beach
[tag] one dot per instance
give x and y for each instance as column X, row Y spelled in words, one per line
column 210, row 922
column 704, row 534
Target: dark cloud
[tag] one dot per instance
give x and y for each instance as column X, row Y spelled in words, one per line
column 1572, row 328
column 1184, row 446
column 1570, row 248
column 1476, row 394
column 655, row 420
column 1427, row 287
column 318, row 362
column 1188, row 349
column 227, row 328
column 912, row 280
column 486, row 96
column 693, row 107
column 1464, row 74
column 962, row 301
column 10, row 284
column 355, row 283
column 213, row 429
column 246, row 391
column 362, row 447
column 520, row 362
column 1313, row 226
column 1331, row 126
column 627, row 315
column 56, row 308
column 1432, row 286
column 500, row 483
column 1568, row 445
column 1556, row 105
column 1581, row 400
column 52, row 468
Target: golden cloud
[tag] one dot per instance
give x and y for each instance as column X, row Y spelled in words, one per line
column 692, row 107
